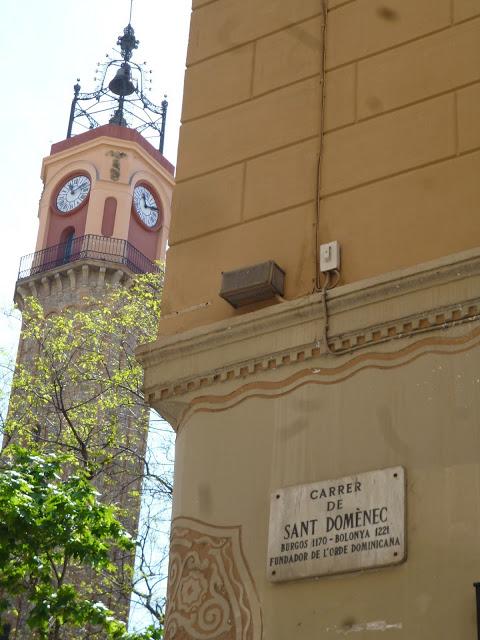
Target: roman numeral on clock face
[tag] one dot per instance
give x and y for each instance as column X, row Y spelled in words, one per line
column 72, row 193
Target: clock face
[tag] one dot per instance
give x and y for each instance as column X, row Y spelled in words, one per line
column 145, row 205
column 73, row 193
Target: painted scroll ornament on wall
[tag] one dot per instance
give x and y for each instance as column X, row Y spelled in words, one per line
column 211, row 594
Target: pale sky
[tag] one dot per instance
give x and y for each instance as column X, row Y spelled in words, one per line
column 45, row 46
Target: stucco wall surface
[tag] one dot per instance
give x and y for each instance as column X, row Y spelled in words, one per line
column 386, row 91
column 423, row 415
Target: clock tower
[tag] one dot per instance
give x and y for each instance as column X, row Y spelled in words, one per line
column 104, row 216
column 106, row 198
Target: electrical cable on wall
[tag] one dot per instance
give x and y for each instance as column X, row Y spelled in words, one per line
column 323, row 55
column 318, row 286
column 324, row 289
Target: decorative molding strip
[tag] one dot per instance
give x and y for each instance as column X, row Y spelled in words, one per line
column 432, row 345
column 406, row 327
column 384, row 310
column 432, row 296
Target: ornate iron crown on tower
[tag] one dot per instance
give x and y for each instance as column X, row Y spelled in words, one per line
column 124, row 97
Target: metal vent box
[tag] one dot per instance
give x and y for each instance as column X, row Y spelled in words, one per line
column 252, row 284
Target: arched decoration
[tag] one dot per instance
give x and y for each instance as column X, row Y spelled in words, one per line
column 74, row 167
column 67, row 252
column 66, row 245
column 109, row 214
column 67, row 233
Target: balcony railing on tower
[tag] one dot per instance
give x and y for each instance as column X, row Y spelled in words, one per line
column 86, row 247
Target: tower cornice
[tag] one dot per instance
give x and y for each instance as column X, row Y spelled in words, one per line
column 70, row 283
column 112, row 134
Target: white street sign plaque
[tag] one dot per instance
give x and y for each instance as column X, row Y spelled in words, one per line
column 336, row 526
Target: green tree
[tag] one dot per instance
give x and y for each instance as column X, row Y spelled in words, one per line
column 77, row 391
column 50, row 525
column 77, row 383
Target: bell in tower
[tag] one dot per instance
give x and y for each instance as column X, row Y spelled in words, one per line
column 124, row 94
column 122, row 84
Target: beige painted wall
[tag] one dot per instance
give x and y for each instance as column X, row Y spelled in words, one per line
column 400, row 144
column 259, row 404
column 424, row 416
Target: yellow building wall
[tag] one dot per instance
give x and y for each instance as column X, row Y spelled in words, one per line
column 397, row 127
column 356, row 121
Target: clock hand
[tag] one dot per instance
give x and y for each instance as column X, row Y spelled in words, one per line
column 80, row 186
column 73, row 191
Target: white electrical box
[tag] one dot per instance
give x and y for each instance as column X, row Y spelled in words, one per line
column 330, row 257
